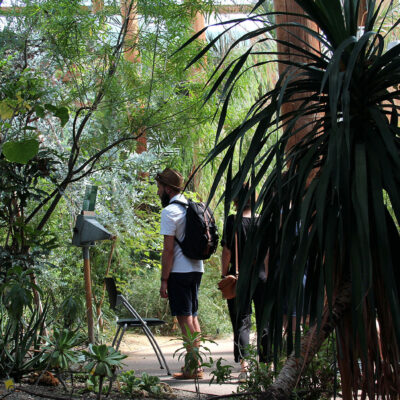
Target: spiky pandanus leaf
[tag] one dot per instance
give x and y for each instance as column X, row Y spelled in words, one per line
column 329, row 205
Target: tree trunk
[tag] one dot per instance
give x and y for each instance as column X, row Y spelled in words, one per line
column 301, row 38
column 198, row 25
column 290, row 374
column 97, row 5
column 131, row 52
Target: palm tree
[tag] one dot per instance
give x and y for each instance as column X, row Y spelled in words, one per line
column 329, row 202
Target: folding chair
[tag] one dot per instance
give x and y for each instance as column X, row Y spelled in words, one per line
column 116, row 298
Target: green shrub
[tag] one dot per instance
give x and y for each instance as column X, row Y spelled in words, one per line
column 20, row 351
column 321, row 380
column 221, row 373
column 142, row 386
column 260, row 375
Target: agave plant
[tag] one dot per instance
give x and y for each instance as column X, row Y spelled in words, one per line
column 21, row 326
column 329, row 204
column 103, row 361
column 60, row 352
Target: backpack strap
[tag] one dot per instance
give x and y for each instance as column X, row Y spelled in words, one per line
column 186, row 205
column 180, row 203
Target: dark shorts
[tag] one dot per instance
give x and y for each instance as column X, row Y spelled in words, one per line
column 183, row 289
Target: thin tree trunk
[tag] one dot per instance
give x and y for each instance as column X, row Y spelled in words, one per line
column 198, row 24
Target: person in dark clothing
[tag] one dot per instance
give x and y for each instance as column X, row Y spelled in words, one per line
column 241, row 324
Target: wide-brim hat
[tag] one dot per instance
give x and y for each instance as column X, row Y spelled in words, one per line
column 171, row 178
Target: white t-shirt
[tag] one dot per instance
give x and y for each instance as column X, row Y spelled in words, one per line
column 173, row 223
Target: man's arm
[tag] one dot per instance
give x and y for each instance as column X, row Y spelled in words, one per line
column 225, row 260
column 167, row 259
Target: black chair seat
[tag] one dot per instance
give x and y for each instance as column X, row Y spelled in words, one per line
column 133, row 322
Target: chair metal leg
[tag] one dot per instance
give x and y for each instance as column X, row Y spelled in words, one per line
column 147, row 331
column 121, row 335
column 156, row 348
column 116, row 335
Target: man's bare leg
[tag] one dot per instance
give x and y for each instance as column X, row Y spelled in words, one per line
column 188, row 321
column 191, row 322
column 196, row 324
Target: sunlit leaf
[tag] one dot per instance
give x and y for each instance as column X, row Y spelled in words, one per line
column 6, row 111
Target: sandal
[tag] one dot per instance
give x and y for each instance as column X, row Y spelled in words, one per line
column 200, row 369
column 184, row 374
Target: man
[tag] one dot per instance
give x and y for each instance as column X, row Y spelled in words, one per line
column 180, row 275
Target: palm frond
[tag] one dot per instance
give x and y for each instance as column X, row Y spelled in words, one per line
column 322, row 208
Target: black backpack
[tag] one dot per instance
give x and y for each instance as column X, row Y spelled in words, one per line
column 201, row 234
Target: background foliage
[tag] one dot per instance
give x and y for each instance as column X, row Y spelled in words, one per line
column 71, row 108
